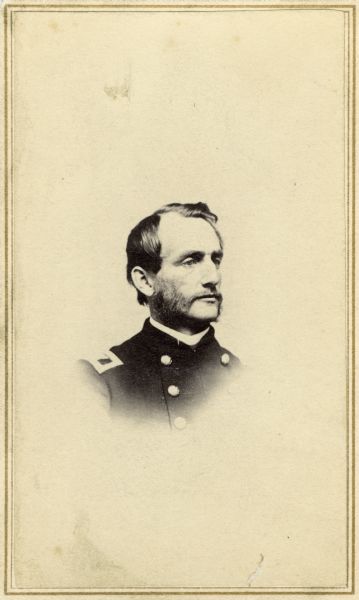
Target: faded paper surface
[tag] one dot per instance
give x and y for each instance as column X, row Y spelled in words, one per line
column 114, row 113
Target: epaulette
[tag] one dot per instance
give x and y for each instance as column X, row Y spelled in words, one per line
column 108, row 360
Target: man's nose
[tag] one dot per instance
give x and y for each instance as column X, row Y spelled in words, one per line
column 211, row 273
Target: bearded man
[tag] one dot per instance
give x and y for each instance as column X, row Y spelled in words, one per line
column 171, row 368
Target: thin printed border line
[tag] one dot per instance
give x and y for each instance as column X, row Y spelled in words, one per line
column 6, row 289
column 180, row 592
column 353, row 180
column 183, row 590
column 347, row 270
column 44, row 8
column 351, row 84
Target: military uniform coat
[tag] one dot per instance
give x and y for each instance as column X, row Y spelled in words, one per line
column 153, row 376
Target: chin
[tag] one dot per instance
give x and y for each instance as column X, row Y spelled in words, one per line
column 205, row 316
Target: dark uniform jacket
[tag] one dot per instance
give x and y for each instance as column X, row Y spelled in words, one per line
column 154, row 376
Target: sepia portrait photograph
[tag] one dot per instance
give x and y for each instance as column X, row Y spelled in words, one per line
column 179, row 298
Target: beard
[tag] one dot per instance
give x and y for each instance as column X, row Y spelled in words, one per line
column 172, row 308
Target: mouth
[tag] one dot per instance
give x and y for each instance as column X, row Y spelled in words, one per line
column 210, row 298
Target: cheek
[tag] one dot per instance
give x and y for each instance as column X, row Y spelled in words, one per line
column 187, row 283
column 174, row 279
column 169, row 287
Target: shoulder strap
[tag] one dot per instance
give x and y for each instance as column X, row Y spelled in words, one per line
column 108, row 360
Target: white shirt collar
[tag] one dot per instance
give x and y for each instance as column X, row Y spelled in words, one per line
column 190, row 340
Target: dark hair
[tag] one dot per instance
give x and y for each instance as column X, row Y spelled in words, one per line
column 143, row 245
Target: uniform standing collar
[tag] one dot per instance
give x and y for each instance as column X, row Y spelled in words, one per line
column 189, row 340
column 158, row 341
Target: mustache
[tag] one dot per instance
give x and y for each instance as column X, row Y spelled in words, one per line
column 216, row 295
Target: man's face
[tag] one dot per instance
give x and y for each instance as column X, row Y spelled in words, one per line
column 186, row 288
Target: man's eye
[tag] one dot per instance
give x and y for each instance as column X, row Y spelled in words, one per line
column 217, row 260
column 188, row 262
column 192, row 260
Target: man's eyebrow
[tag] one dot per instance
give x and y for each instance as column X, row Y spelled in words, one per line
column 188, row 253
column 198, row 254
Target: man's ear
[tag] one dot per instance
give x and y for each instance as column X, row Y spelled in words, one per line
column 142, row 281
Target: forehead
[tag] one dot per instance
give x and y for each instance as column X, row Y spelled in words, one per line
column 178, row 234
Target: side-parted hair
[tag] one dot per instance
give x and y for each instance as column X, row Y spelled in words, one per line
column 143, row 244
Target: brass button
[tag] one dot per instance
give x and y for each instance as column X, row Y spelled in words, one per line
column 180, row 422
column 166, row 360
column 225, row 358
column 173, row 390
